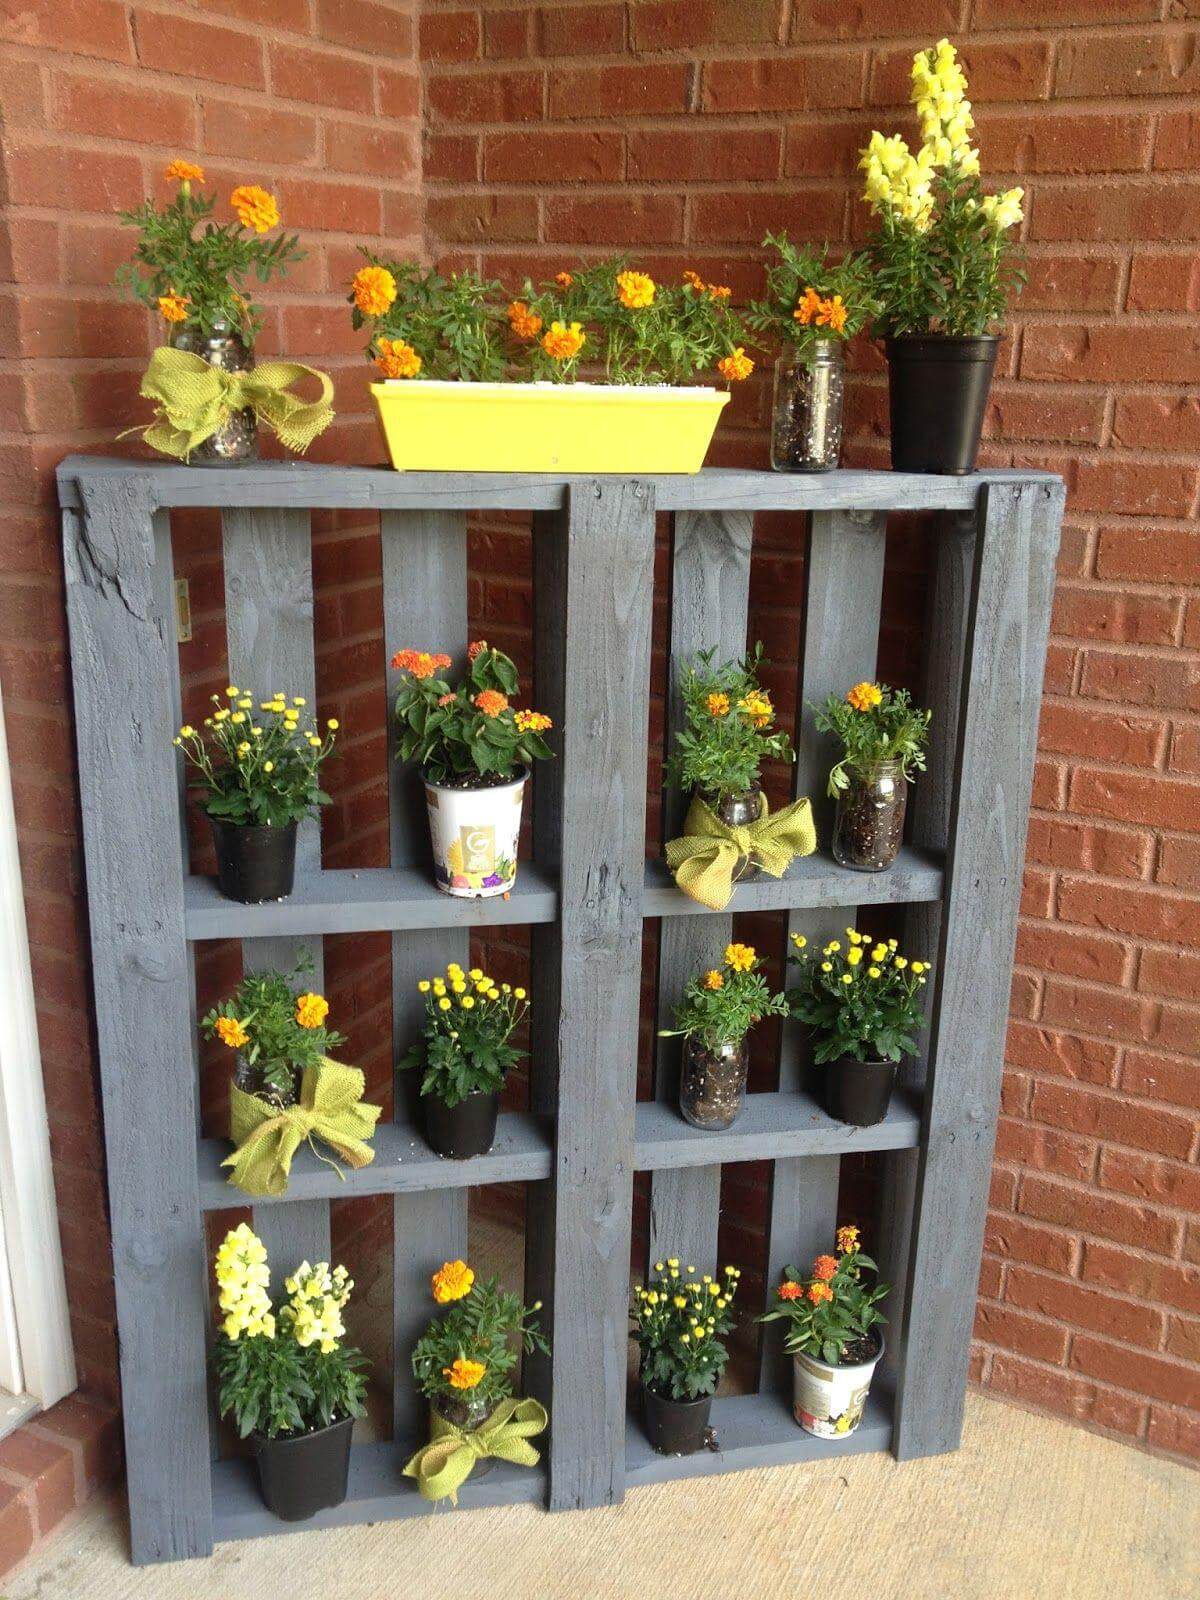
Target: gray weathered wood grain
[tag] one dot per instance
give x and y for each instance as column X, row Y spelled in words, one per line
column 843, row 592
column 602, row 582
column 424, row 608
column 710, row 587
column 269, row 633
column 772, row 1126
column 129, row 788
column 1009, row 621
column 271, row 484
column 810, row 883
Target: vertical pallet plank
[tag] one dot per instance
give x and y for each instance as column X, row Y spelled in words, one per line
column 930, row 801
column 269, row 628
column 843, row 592
column 710, row 586
column 1009, row 617
column 424, row 607
column 129, row 793
column 599, row 578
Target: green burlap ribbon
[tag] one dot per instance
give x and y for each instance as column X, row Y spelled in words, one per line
column 267, row 1136
column 442, row 1466
column 703, row 860
column 194, row 399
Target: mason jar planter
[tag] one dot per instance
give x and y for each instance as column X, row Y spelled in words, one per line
column 859, row 1092
column 474, row 833
column 465, row 1410
column 806, row 413
column 236, row 440
column 250, row 1078
column 255, row 863
column 828, row 1401
column 739, row 811
column 938, row 387
column 712, row 1083
column 462, row 1131
column 675, row 1427
column 300, row 1474
column 868, row 823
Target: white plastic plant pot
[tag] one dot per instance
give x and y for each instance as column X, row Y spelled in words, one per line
column 829, row 1401
column 474, row 834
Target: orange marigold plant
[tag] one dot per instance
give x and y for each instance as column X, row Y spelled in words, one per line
column 524, row 323
column 832, row 1312
column 193, row 270
column 811, row 298
column 278, row 1030
column 473, row 1342
column 873, row 723
column 395, row 359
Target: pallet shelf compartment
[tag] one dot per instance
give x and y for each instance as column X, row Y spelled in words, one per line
column 586, row 901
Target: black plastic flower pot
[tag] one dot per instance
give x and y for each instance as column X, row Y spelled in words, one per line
column 461, row 1131
column 303, row 1473
column 254, row 863
column 859, row 1092
column 938, row 389
column 675, row 1427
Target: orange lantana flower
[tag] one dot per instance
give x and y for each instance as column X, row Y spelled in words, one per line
column 790, row 1291
column 847, row 1239
column 374, row 290
column 532, row 721
column 476, row 647
column 419, row 662
column 733, row 368
column 819, row 1293
column 174, row 306
column 183, row 172
column 824, row 1268
column 564, row 343
column 524, row 323
column 491, row 702
column 255, row 207
column 395, row 359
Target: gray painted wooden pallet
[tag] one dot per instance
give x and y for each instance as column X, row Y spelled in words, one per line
column 586, row 898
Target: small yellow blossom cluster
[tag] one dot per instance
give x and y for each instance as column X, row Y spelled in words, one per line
column 876, row 953
column 467, row 988
column 897, row 182
column 679, row 1307
column 243, row 1279
column 939, row 92
column 313, row 1314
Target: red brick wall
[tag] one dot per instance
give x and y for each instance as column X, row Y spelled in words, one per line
column 318, row 100
column 680, row 130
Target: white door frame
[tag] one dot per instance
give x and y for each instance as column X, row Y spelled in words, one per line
column 27, row 1200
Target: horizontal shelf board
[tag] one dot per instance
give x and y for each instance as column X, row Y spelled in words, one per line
column 308, row 484
column 378, row 1492
column 771, row 1127
column 369, row 900
column 755, row 1430
column 811, row 882
column 403, row 1164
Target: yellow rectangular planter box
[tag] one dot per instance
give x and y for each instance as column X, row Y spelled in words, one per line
column 433, row 426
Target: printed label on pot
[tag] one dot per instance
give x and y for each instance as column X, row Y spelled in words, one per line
column 829, row 1401
column 474, row 835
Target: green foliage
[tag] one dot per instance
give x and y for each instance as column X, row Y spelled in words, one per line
column 722, row 1005
column 465, row 1047
column 889, row 729
column 264, row 1006
column 455, row 323
column 863, row 1001
column 275, row 1386
column 726, row 735
column 823, row 1328
column 679, row 1321
column 488, row 1326
column 449, row 734
column 800, row 268
column 953, row 277
column 209, row 268
column 258, row 772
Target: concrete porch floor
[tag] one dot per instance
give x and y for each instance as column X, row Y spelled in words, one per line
column 1029, row 1508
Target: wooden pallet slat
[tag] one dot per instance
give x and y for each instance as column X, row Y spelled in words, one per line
column 121, row 654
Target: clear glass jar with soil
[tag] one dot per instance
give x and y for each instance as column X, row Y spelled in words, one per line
column 806, row 413
column 272, row 1081
column 712, row 1083
column 739, row 811
column 868, row 824
column 236, row 439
